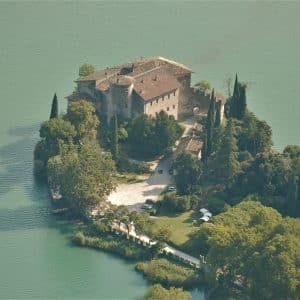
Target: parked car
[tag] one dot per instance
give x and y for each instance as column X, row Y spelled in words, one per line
column 147, row 206
column 149, row 201
column 206, row 215
column 204, row 219
column 203, row 210
column 171, row 188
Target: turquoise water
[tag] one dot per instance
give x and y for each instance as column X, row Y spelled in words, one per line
column 43, row 44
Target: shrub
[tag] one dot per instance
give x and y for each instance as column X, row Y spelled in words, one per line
column 157, row 292
column 79, row 238
column 174, row 203
column 112, row 244
column 169, row 273
column 216, row 205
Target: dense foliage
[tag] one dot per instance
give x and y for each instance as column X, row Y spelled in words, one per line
column 70, row 157
column 121, row 247
column 254, row 251
column 169, row 273
column 157, row 292
column 188, row 173
column 86, row 69
column 84, row 174
column 149, row 137
column 203, row 85
column 236, row 105
column 172, row 202
column 82, row 115
column 275, row 178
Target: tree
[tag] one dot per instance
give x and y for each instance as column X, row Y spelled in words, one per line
column 54, row 108
column 85, row 176
column 149, row 137
column 203, row 85
column 188, row 173
column 166, row 131
column 218, row 116
column 254, row 135
column 236, row 105
column 86, row 69
column 225, row 165
column 254, row 250
column 210, row 120
column 140, row 135
column 122, row 134
column 82, row 115
column 115, row 139
column 241, row 103
column 53, row 132
column 157, row 292
column 204, row 155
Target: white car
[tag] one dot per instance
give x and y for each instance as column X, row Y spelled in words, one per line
column 205, row 218
column 207, row 215
column 204, row 211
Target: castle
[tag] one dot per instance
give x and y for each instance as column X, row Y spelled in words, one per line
column 148, row 86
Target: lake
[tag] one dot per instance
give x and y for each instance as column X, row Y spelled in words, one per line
column 42, row 46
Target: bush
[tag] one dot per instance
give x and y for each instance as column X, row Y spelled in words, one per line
column 79, row 238
column 216, row 205
column 174, row 203
column 112, row 244
column 169, row 273
column 157, row 292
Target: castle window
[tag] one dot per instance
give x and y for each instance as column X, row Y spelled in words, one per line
column 173, row 106
column 174, row 93
column 163, row 98
column 156, row 100
column 151, row 103
column 168, row 108
column 168, row 96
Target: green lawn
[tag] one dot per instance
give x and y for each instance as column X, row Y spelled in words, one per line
column 180, row 225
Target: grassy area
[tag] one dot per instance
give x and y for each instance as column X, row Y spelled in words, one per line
column 180, row 225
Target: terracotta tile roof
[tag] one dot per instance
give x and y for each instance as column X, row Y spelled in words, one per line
column 133, row 69
column 155, row 83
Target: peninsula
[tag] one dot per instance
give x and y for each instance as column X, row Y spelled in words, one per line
column 178, row 176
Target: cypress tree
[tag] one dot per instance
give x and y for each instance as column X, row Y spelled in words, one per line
column 115, row 140
column 241, row 102
column 234, row 98
column 210, row 123
column 54, row 108
column 218, row 115
column 204, row 150
column 226, row 163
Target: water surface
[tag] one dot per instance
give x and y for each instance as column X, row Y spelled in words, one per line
column 42, row 45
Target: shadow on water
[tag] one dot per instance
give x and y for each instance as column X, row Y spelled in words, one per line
column 16, row 160
column 16, row 163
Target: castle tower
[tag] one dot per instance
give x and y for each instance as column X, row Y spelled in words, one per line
column 120, row 90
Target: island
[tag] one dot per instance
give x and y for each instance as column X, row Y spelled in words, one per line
column 178, row 178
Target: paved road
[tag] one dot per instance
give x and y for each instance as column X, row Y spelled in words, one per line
column 134, row 195
column 147, row 241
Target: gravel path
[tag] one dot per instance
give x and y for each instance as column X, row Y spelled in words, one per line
column 134, row 195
